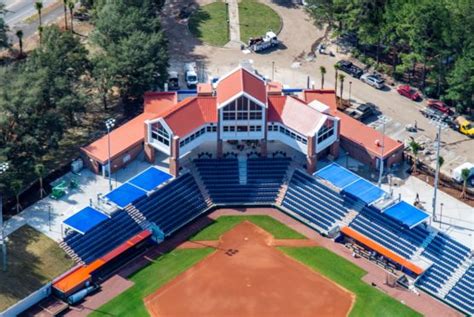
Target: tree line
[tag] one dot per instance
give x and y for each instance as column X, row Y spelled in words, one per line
column 433, row 38
column 49, row 92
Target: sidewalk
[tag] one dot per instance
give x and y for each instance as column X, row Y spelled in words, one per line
column 234, row 24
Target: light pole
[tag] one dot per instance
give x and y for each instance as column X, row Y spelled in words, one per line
column 109, row 124
column 441, row 215
column 381, row 162
column 3, row 169
column 436, row 180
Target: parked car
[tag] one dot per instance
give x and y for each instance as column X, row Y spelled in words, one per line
column 440, row 106
column 409, row 92
column 363, row 111
column 373, row 80
column 350, row 68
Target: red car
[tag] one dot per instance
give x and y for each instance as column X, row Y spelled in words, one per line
column 409, row 92
column 440, row 106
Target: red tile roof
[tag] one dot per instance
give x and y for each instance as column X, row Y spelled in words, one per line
column 159, row 102
column 122, row 139
column 241, row 80
column 352, row 129
column 294, row 113
column 190, row 114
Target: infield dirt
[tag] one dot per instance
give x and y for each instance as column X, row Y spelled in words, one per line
column 247, row 276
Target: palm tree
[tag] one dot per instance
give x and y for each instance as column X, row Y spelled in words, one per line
column 341, row 80
column 65, row 6
column 322, row 69
column 39, row 170
column 71, row 4
column 17, row 185
column 415, row 148
column 39, row 8
column 465, row 172
column 19, row 35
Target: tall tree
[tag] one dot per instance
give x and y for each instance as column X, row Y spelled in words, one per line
column 65, row 7
column 322, row 69
column 19, row 35
column 3, row 28
column 71, row 4
column 17, row 186
column 39, row 9
column 341, row 90
column 40, row 171
column 336, row 69
column 134, row 48
column 415, row 149
column 465, row 176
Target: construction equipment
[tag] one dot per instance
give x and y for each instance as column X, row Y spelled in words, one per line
column 190, row 75
column 262, row 43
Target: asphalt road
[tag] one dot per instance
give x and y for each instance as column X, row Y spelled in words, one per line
column 18, row 11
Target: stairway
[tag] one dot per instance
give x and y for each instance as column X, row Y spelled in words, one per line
column 344, row 222
column 455, row 277
column 242, row 169
column 69, row 251
column 425, row 243
column 202, row 188
column 137, row 216
column 286, row 181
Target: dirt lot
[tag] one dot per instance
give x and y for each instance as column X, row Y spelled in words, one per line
column 247, row 276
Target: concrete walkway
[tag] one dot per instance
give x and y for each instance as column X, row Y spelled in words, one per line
column 234, row 24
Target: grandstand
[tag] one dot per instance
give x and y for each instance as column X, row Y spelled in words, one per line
column 327, row 205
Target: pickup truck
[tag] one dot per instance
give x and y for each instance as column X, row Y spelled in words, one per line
column 362, row 112
column 350, row 68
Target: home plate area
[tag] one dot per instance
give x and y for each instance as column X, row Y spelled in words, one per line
column 247, row 275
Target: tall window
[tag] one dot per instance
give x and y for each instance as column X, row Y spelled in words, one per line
column 325, row 132
column 160, row 134
column 242, row 109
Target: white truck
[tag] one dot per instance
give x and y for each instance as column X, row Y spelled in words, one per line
column 190, row 75
column 456, row 175
column 262, row 43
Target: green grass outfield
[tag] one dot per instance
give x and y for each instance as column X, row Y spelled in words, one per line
column 224, row 223
column 209, row 24
column 369, row 301
column 256, row 19
column 149, row 279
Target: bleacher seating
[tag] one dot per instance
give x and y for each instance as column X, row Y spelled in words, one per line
column 314, row 201
column 447, row 255
column 264, row 178
column 388, row 232
column 103, row 238
column 174, row 205
column 462, row 294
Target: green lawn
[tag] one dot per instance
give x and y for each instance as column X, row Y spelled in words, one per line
column 225, row 223
column 369, row 301
column 209, row 24
column 149, row 279
column 33, row 260
column 256, row 19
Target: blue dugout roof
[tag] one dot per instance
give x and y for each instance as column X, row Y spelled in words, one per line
column 407, row 214
column 150, row 179
column 337, row 175
column 364, row 191
column 125, row 194
column 85, row 219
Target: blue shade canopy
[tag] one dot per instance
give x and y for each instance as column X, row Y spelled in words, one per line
column 125, row 194
column 337, row 175
column 150, row 179
column 364, row 191
column 85, row 219
column 406, row 214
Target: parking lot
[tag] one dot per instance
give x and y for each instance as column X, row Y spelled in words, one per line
column 294, row 66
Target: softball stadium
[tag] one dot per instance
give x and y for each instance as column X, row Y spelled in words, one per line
column 252, row 216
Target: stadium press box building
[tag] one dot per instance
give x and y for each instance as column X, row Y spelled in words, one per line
column 241, row 107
